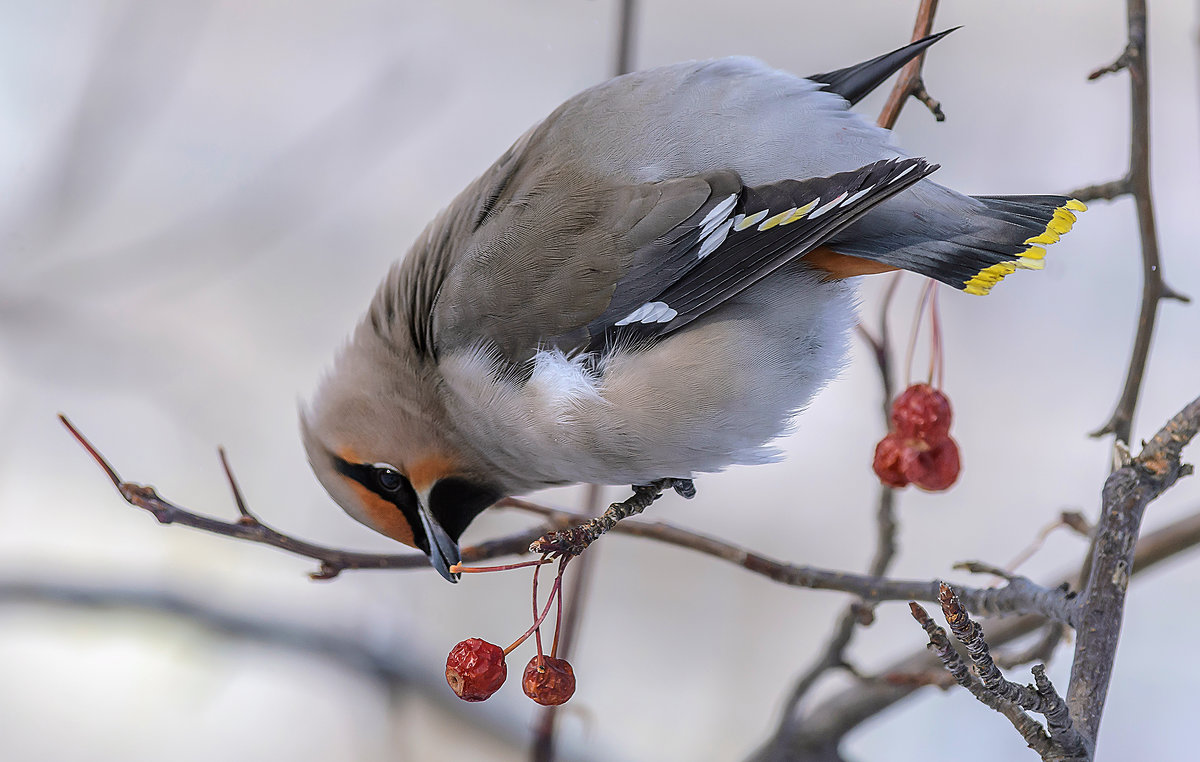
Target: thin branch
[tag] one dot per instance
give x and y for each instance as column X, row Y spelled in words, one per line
column 626, row 23
column 1103, row 191
column 940, row 645
column 1120, row 63
column 249, row 528
column 1042, row 699
column 909, row 83
column 1041, row 649
column 1020, row 596
column 1135, row 60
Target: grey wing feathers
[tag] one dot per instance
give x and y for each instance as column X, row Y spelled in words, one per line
column 737, row 244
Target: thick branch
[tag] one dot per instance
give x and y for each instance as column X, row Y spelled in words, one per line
column 1101, row 606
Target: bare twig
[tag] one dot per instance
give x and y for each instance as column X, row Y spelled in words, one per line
column 909, row 83
column 1154, row 288
column 1121, row 62
column 1073, row 520
column 1103, row 191
column 1039, row 650
column 940, row 644
column 1020, row 596
column 1042, row 698
column 333, row 561
column 626, row 23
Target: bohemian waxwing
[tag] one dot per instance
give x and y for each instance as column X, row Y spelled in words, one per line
column 649, row 284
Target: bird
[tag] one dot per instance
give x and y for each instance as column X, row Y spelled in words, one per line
column 650, row 284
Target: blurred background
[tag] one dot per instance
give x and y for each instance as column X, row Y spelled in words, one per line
column 197, row 200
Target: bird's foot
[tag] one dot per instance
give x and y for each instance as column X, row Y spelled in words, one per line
column 573, row 541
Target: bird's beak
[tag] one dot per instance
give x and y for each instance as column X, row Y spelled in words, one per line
column 443, row 552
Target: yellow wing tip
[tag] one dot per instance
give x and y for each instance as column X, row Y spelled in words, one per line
column 1033, row 258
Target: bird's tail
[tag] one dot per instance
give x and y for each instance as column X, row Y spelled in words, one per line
column 1045, row 218
column 968, row 242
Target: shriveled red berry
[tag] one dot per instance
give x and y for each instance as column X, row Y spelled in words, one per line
column 922, row 412
column 475, row 669
column 888, row 455
column 550, row 681
column 933, row 466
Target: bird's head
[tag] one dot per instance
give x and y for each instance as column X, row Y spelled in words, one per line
column 378, row 440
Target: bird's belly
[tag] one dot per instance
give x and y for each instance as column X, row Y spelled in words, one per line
column 714, row 394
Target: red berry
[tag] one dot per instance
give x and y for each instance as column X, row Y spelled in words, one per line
column 475, row 669
column 933, row 467
column 548, row 681
column 922, row 412
column 888, row 454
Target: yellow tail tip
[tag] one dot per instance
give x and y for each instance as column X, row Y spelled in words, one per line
column 1033, row 257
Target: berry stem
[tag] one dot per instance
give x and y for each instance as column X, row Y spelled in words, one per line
column 456, row 568
column 916, row 331
column 937, row 355
column 562, row 566
column 538, row 622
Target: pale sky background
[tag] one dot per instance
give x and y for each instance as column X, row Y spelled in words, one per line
column 197, row 200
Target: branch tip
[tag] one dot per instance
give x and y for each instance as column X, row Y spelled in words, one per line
column 91, row 450
column 247, row 517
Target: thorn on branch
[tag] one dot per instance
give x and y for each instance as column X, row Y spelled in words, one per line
column 919, row 92
column 326, row 571
column 247, row 518
column 979, row 567
column 1166, row 292
column 1122, row 62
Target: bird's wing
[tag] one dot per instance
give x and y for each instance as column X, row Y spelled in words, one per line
column 574, row 264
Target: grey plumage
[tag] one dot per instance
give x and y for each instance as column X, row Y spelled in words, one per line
column 624, row 295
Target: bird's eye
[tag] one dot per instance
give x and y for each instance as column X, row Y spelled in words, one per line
column 389, row 479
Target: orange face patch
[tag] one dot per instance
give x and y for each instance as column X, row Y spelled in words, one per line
column 384, row 516
column 423, row 473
